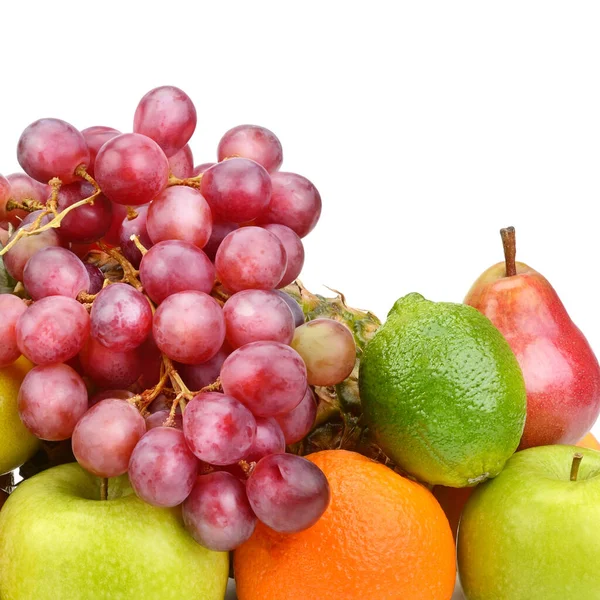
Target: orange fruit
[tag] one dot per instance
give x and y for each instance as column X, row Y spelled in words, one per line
column 453, row 501
column 589, row 441
column 383, row 537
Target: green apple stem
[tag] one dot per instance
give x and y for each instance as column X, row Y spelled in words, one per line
column 509, row 242
column 577, row 458
column 104, row 489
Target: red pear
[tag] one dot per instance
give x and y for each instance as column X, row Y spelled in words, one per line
column 562, row 375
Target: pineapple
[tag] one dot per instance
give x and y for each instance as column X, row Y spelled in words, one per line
column 339, row 422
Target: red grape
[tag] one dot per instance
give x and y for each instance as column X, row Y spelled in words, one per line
column 121, row 317
column 189, row 327
column 162, row 470
column 131, row 169
column 16, row 258
column 158, row 419
column 109, row 368
column 118, row 394
column 182, row 163
column 257, row 315
column 55, row 272
column 95, row 137
column 23, row 187
column 180, row 213
column 152, row 362
column 287, row 492
column 11, row 309
column 168, row 116
column 217, row 513
column 135, row 226
column 52, row 330
column 294, row 251
column 254, row 142
column 119, row 212
column 52, row 148
column 96, row 278
column 105, row 437
column 250, row 258
column 175, row 266
column 89, row 222
column 328, row 350
column 218, row 429
column 51, row 400
column 4, row 197
column 295, row 202
column 200, row 169
column 220, row 230
column 269, row 440
column 298, row 422
column 268, row 377
column 237, row 190
column 296, row 309
column 198, row 376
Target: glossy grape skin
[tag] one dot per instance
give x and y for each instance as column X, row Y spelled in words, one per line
column 52, row 148
column 296, row 309
column 328, row 350
column 106, row 436
column 219, row 429
column 162, row 470
column 217, row 513
column 268, row 377
column 168, row 116
column 159, row 418
column 257, row 315
column 182, row 163
column 180, row 213
column 16, row 258
column 89, row 222
column 108, row 368
column 51, row 400
column 253, row 142
column 198, row 376
column 55, row 272
column 298, row 422
column 119, row 212
column 11, row 309
column 175, row 266
column 295, row 203
column 220, row 230
column 103, row 395
column 237, row 190
column 52, row 330
column 294, row 250
column 189, row 327
column 131, row 169
column 95, row 137
column 288, row 493
column 250, row 258
column 23, row 187
column 136, row 226
column 121, row 317
column 4, row 197
column 96, row 278
column 269, row 440
column 200, row 169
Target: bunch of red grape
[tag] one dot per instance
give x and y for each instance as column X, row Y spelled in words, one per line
column 152, row 287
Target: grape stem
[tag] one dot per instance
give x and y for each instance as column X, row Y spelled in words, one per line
column 170, row 422
column 27, row 204
column 215, row 386
column 247, row 467
column 136, row 240
column 143, row 400
column 130, row 273
column 193, row 182
column 182, row 391
column 131, row 213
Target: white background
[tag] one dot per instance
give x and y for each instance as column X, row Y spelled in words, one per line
column 426, row 126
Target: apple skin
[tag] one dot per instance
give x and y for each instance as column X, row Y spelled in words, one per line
column 562, row 375
column 533, row 533
column 58, row 541
column 18, row 444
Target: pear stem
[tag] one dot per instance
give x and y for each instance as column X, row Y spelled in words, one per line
column 509, row 242
column 104, row 489
column 577, row 458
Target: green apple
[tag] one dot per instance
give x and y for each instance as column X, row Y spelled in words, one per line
column 17, row 444
column 534, row 531
column 59, row 541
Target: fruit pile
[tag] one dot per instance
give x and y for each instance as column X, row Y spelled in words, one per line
column 151, row 307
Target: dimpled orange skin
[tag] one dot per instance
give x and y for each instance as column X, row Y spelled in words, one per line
column 589, row 441
column 383, row 537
